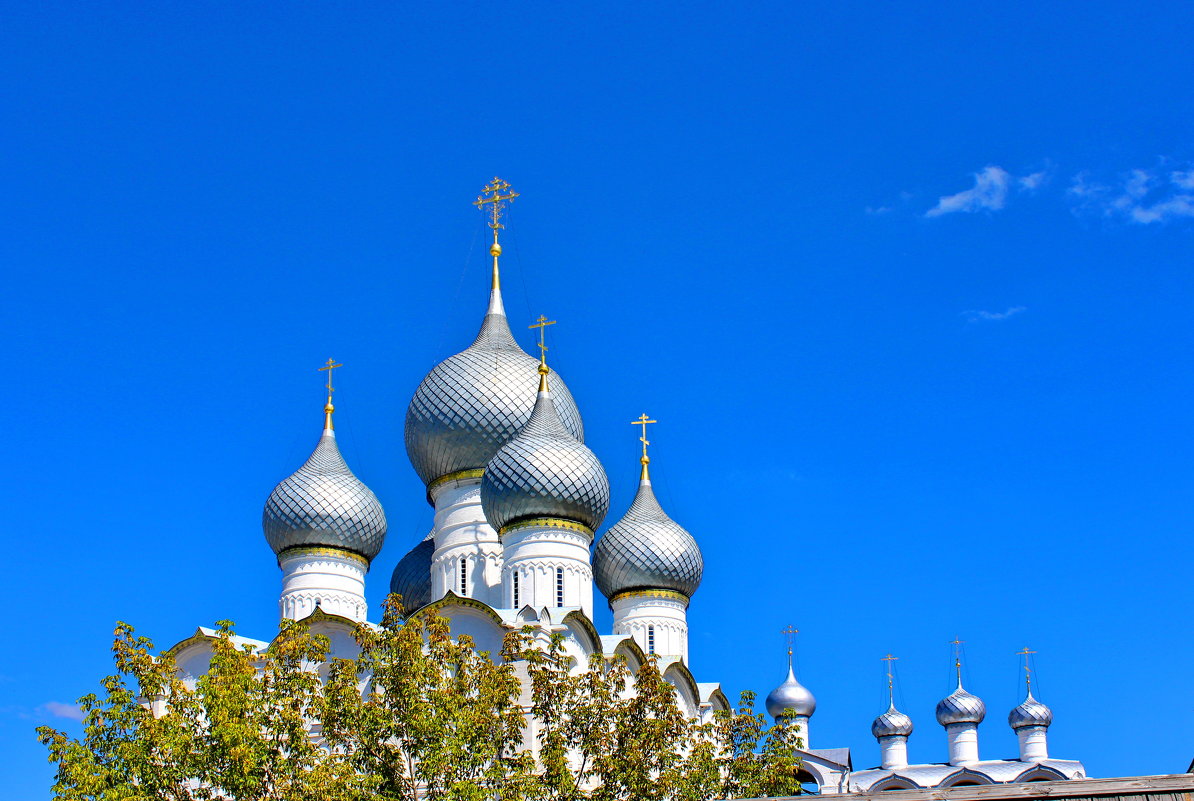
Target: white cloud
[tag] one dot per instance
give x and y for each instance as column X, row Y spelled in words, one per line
column 978, row 316
column 1139, row 196
column 61, row 710
column 1034, row 181
column 988, row 193
column 1183, row 179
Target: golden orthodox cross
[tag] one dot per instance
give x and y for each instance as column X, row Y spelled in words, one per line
column 330, row 366
column 957, row 644
column 493, row 195
column 890, row 682
column 1027, row 670
column 643, row 421
column 542, row 324
column 790, row 635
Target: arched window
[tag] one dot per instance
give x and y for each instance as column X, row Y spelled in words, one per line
column 514, row 581
column 463, row 576
column 559, row 586
column 650, row 639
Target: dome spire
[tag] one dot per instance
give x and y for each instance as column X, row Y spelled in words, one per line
column 644, row 421
column 328, row 408
column 496, row 194
column 541, row 324
column 890, row 680
column 957, row 644
column 1027, row 670
column 790, row 636
column 892, row 728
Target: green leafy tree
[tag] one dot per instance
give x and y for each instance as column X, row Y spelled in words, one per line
column 416, row 715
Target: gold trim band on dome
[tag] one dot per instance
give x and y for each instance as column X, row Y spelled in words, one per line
column 313, row 550
column 545, row 522
column 668, row 594
column 459, row 475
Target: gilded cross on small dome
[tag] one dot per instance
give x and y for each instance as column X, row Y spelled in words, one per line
column 790, row 635
column 957, row 644
column 328, row 408
column 542, row 324
column 890, row 680
column 1027, row 669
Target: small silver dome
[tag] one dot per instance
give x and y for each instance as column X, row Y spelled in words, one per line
column 647, row 550
column 544, row 471
column 412, row 575
column 324, row 505
column 891, row 723
column 1030, row 713
column 960, row 707
column 470, row 404
column 791, row 695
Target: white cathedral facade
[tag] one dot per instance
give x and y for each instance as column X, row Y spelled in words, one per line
column 518, row 500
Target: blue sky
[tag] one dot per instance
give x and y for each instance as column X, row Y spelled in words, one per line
column 907, row 286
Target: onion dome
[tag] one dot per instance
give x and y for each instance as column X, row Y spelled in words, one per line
column 412, row 575
column 1030, row 713
column 470, row 404
column 323, row 504
column 544, row 471
column 647, row 550
column 793, row 696
column 891, row 723
column 960, row 707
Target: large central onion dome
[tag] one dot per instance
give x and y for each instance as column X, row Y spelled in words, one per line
column 324, row 505
column 544, row 472
column 791, row 696
column 647, row 550
column 412, row 576
column 960, row 707
column 470, row 404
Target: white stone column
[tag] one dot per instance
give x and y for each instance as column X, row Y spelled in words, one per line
column 963, row 743
column 656, row 619
column 462, row 536
column 893, row 750
column 1034, row 746
column 547, row 556
column 328, row 578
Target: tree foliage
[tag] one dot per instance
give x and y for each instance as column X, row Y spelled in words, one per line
column 416, row 715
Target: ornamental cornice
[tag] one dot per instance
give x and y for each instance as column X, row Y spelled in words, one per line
column 456, row 479
column 668, row 595
column 332, row 553
column 548, row 523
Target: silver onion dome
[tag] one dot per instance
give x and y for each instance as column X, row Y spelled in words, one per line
column 412, row 576
column 647, row 550
column 544, row 471
column 791, row 695
column 324, row 505
column 891, row 723
column 470, row 404
column 960, row 707
column 1030, row 713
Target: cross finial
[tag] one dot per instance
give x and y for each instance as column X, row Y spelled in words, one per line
column 328, row 408
column 493, row 195
column 890, row 680
column 644, row 421
column 957, row 644
column 542, row 324
column 496, row 195
column 790, row 635
column 1027, row 669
